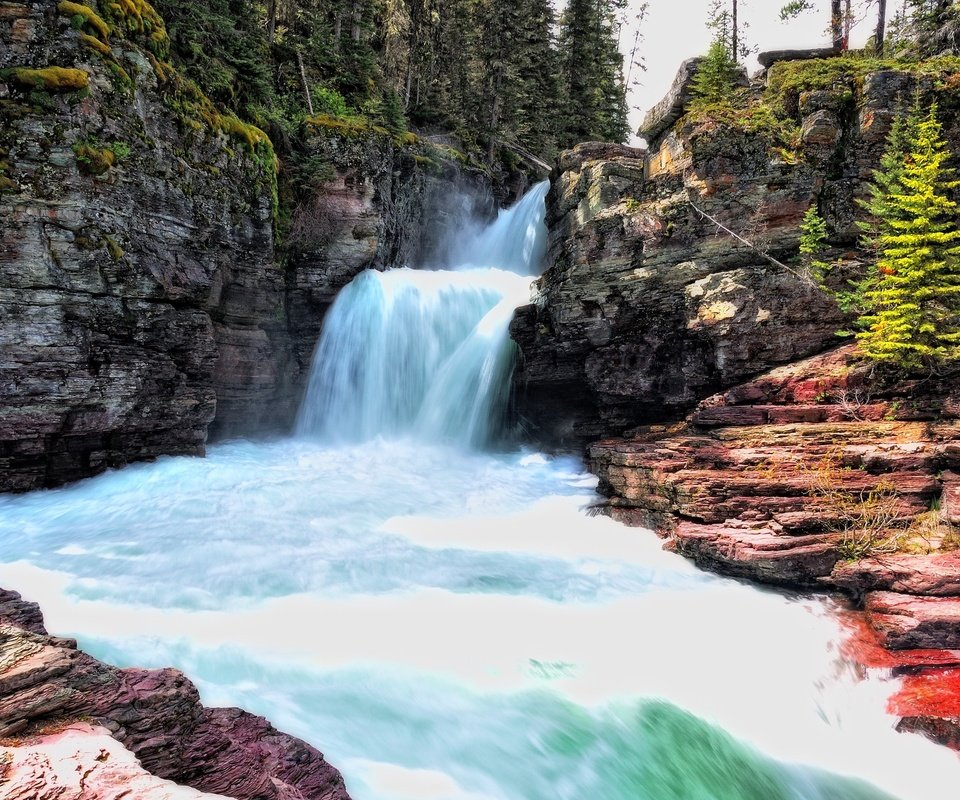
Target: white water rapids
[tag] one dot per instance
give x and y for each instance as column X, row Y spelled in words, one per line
column 444, row 621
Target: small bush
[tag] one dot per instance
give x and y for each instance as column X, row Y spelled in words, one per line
column 330, row 102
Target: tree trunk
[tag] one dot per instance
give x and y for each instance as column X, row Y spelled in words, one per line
column 881, row 25
column 272, row 21
column 847, row 24
column 736, row 35
column 306, row 86
column 356, row 18
column 836, row 23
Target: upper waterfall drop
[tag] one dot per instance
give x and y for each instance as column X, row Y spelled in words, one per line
column 427, row 353
column 516, row 241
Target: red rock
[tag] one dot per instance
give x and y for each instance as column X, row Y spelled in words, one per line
column 157, row 715
column 950, row 500
column 934, row 575
column 863, row 645
column 83, row 762
column 757, row 552
column 907, row 622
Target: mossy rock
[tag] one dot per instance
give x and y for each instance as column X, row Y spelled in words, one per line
column 95, row 44
column 139, row 19
column 48, row 79
column 92, row 160
column 86, row 16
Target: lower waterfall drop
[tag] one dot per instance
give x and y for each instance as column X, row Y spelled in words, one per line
column 427, row 353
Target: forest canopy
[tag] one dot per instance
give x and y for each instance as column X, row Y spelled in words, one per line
column 490, row 72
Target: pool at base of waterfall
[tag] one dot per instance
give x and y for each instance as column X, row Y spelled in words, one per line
column 446, row 623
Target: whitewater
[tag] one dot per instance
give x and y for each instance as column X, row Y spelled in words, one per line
column 435, row 607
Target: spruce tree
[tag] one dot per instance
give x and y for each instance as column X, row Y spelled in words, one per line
column 594, row 89
column 911, row 300
column 715, row 79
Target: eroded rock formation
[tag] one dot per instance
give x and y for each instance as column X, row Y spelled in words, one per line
column 47, row 686
column 648, row 304
column 144, row 303
column 675, row 325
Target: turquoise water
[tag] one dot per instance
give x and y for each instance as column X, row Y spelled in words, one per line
column 453, row 624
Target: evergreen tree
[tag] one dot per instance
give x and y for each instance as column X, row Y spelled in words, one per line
column 716, row 75
column 911, row 300
column 594, row 89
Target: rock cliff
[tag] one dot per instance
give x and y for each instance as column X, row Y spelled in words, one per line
column 648, row 305
column 61, row 710
column 674, row 325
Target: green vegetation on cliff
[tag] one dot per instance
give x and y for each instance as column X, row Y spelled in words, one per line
column 911, row 298
column 491, row 72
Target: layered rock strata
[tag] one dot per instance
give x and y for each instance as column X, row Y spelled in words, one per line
column 50, row 691
column 145, row 306
column 136, row 252
column 649, row 303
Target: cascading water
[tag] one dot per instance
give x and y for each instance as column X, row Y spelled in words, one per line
column 427, row 352
column 446, row 623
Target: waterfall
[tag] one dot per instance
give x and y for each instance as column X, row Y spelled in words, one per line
column 516, row 241
column 427, row 353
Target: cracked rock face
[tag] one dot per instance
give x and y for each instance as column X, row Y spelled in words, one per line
column 82, row 762
column 648, row 306
column 133, row 286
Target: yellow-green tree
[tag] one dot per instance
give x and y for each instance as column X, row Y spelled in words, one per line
column 911, row 300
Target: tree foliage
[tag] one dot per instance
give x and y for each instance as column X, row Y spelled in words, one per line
column 715, row 79
column 492, row 72
column 911, row 300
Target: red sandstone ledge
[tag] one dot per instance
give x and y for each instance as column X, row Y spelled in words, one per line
column 753, row 485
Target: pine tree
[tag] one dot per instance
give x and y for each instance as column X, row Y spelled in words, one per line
column 911, row 301
column 716, row 76
column 594, row 89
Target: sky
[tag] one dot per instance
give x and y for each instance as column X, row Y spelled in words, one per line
column 675, row 30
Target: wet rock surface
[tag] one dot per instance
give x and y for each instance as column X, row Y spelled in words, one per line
column 155, row 714
column 649, row 305
column 145, row 307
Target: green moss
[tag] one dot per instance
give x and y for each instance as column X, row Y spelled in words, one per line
column 50, row 79
column 121, row 78
column 788, row 79
column 8, row 184
column 139, row 19
column 347, row 126
column 116, row 252
column 88, row 15
column 95, row 44
column 93, row 160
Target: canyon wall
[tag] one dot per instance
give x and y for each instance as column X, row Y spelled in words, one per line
column 648, row 305
column 675, row 325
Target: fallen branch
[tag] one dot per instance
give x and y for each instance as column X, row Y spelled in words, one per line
column 777, row 263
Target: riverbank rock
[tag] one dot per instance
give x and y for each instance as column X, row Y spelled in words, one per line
column 82, row 762
column 820, row 475
column 136, row 251
column 46, row 683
